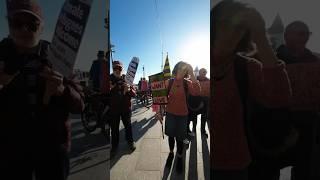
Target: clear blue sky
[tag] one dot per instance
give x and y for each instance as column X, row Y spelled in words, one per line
column 183, row 26
column 95, row 36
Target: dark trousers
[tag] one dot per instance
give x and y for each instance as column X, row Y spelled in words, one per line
column 52, row 165
column 229, row 174
column 45, row 164
column 193, row 119
column 204, row 116
column 115, row 122
column 179, row 145
column 299, row 157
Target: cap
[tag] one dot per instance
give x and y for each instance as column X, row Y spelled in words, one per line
column 116, row 63
column 26, row 6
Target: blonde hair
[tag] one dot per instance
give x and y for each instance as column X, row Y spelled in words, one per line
column 181, row 65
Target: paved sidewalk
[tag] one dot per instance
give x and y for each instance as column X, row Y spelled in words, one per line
column 148, row 160
column 88, row 157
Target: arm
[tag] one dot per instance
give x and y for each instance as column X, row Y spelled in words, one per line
column 193, row 85
column 132, row 92
column 73, row 96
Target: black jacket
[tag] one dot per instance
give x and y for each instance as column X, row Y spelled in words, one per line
column 21, row 107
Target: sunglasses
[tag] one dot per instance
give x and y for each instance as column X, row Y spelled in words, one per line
column 32, row 26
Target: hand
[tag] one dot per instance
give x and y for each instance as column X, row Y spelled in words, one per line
column 54, row 84
column 126, row 88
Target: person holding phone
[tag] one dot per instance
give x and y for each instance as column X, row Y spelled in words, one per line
column 35, row 100
column 120, row 107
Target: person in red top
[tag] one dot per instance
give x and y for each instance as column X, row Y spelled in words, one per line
column 177, row 116
column 234, row 27
column 205, row 90
column 295, row 53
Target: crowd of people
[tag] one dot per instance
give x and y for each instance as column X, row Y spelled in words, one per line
column 258, row 125
column 183, row 88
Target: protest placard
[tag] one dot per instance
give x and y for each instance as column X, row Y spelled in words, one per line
column 158, row 89
column 68, row 35
column 132, row 69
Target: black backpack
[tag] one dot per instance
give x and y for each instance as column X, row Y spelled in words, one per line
column 195, row 103
column 266, row 128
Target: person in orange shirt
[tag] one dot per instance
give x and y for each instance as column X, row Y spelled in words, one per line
column 177, row 115
column 235, row 28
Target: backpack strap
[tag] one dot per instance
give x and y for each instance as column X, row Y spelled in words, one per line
column 170, row 85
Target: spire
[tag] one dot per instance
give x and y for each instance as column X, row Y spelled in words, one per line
column 277, row 26
column 196, row 71
column 166, row 69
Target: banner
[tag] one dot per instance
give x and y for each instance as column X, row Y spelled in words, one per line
column 68, row 35
column 305, row 84
column 132, row 69
column 158, row 89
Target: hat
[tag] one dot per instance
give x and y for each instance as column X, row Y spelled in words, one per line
column 116, row 63
column 100, row 53
column 26, row 6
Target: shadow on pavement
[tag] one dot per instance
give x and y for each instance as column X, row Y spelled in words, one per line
column 193, row 159
column 138, row 130
column 174, row 174
column 205, row 158
column 93, row 165
column 142, row 127
column 87, row 142
column 166, row 171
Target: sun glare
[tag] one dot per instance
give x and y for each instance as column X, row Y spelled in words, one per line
column 196, row 51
